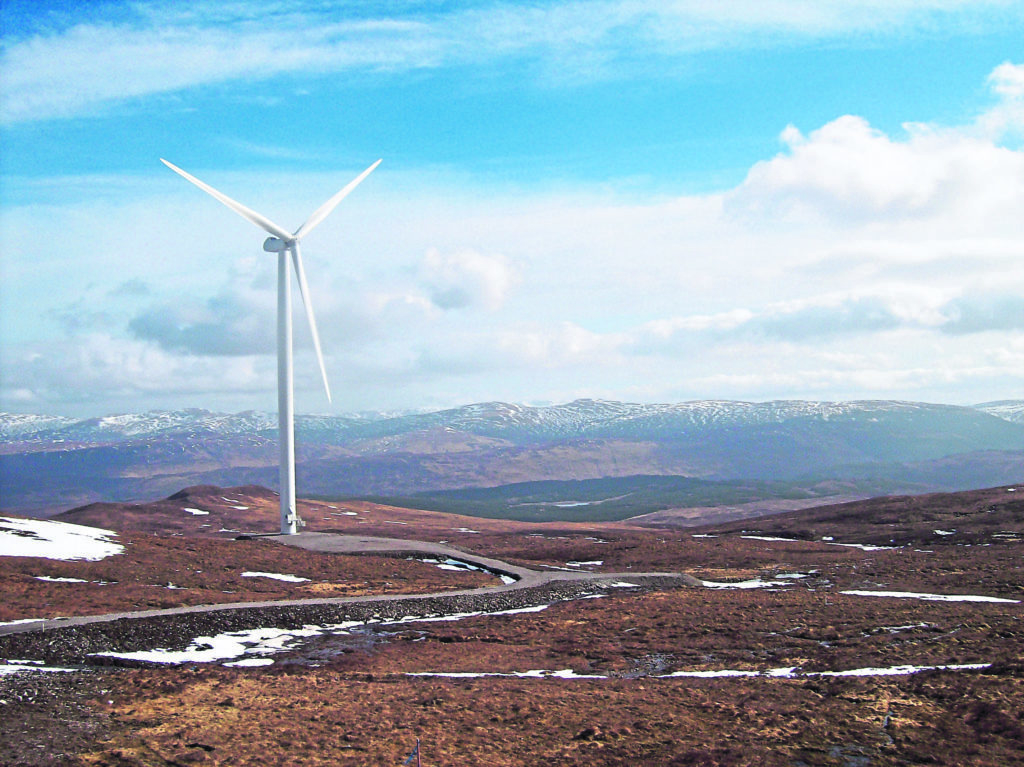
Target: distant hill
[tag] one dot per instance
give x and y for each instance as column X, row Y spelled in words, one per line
column 977, row 517
column 519, row 424
column 866, row 447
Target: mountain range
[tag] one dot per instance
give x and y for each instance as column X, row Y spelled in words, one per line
column 48, row 463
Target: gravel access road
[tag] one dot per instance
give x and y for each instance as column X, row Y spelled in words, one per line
column 76, row 639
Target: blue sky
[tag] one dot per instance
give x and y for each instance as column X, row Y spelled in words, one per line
column 649, row 201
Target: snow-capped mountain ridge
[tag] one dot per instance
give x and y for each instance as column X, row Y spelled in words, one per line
column 20, row 425
column 1008, row 410
column 910, row 445
column 580, row 418
column 594, row 416
column 603, row 418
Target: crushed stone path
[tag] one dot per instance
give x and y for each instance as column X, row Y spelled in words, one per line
column 75, row 637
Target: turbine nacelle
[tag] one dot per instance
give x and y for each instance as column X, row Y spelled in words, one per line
column 275, row 245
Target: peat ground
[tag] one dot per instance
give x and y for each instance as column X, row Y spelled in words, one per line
column 763, row 672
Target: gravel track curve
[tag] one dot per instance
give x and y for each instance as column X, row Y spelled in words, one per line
column 75, row 640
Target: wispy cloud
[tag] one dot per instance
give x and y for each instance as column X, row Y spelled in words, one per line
column 270, row 151
column 812, row 320
column 122, row 52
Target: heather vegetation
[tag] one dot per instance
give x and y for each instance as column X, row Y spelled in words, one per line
column 881, row 632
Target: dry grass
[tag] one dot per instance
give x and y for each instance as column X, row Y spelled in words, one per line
column 350, row 701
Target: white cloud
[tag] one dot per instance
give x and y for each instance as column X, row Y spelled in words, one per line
column 1008, row 80
column 466, row 278
column 103, row 367
column 227, row 324
column 725, row 321
column 852, row 174
column 1007, row 117
column 565, row 344
column 980, row 314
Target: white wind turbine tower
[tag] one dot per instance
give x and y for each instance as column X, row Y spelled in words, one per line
column 282, row 242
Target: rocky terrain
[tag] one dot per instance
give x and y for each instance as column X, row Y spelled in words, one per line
column 881, row 632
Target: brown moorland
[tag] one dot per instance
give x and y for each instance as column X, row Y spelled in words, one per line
column 349, row 699
column 161, row 572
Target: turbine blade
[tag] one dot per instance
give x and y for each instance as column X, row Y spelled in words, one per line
column 324, row 210
column 264, row 223
column 304, row 290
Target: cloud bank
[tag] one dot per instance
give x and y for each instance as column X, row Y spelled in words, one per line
column 857, row 261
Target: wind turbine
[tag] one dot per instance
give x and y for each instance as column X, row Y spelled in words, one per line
column 282, row 242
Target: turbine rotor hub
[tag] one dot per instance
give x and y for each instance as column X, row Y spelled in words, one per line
column 275, row 245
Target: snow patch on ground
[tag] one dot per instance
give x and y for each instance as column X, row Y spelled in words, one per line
column 459, row 565
column 863, row 546
column 908, row 627
column 930, row 597
column 901, row 670
column 275, row 576
column 195, row 512
column 565, row 673
column 232, row 644
column 239, row 646
column 754, row 583
column 250, row 662
column 21, row 668
column 460, row 616
column 725, row 673
column 794, row 672
column 791, row 672
column 55, row 540
column 49, row 579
